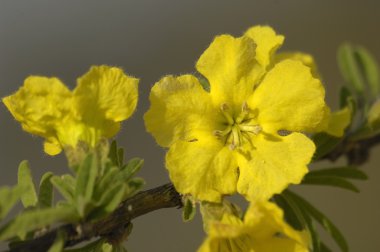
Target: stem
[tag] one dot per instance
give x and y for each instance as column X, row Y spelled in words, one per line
column 113, row 227
column 357, row 152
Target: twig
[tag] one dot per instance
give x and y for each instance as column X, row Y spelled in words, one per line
column 113, row 226
column 357, row 152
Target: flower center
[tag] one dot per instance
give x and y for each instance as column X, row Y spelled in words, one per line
column 238, row 128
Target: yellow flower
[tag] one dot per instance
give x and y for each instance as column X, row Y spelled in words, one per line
column 244, row 135
column 103, row 98
column 263, row 230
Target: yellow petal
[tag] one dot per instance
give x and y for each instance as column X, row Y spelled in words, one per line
column 238, row 244
column 267, row 42
column 275, row 163
column 40, row 104
column 338, row 122
column 229, row 65
column 52, row 147
column 289, row 98
column 226, row 235
column 105, row 93
column 266, row 225
column 205, row 168
column 178, row 106
column 306, row 59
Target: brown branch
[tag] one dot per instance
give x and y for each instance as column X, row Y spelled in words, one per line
column 112, row 227
column 356, row 152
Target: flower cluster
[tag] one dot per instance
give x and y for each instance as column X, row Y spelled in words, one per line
column 239, row 126
column 103, row 98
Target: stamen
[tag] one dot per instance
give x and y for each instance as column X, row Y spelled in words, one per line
column 255, row 129
column 222, row 133
column 235, row 136
column 224, row 108
column 244, row 113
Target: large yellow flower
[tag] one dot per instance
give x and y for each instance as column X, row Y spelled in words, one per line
column 103, row 98
column 244, row 135
column 263, row 230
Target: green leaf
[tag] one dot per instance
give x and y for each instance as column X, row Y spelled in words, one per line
column 85, row 183
column 108, row 179
column 113, row 154
column 344, row 96
column 109, row 201
column 63, row 187
column 131, row 168
column 35, row 219
column 29, row 197
column 292, row 213
column 325, row 144
column 133, row 186
column 322, row 220
column 120, row 155
column 45, row 193
column 299, row 217
column 8, row 198
column 324, row 248
column 350, row 69
column 330, row 181
column 370, row 70
column 189, row 210
column 95, row 246
column 58, row 244
column 349, row 172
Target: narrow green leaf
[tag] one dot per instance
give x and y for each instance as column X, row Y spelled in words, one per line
column 35, row 219
column 58, row 243
column 348, row 172
column 370, row 70
column 322, row 220
column 86, row 178
column 120, row 155
column 349, row 68
column 95, row 246
column 63, row 187
column 133, row 186
column 108, row 179
column 29, row 197
column 112, row 154
column 106, row 247
column 131, row 168
column 69, row 180
column 325, row 144
column 8, row 199
column 324, row 248
column 303, row 218
column 45, row 193
column 344, row 96
column 109, row 200
column 292, row 214
column 330, row 181
column 189, row 210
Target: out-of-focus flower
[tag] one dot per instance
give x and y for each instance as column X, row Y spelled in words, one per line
column 44, row 106
column 262, row 230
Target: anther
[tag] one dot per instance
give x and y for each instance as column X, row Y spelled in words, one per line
column 244, row 107
column 244, row 113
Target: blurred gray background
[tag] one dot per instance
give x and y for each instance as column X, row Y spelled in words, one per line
column 152, row 38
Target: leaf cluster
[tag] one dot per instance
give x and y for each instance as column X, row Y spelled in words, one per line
column 93, row 191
